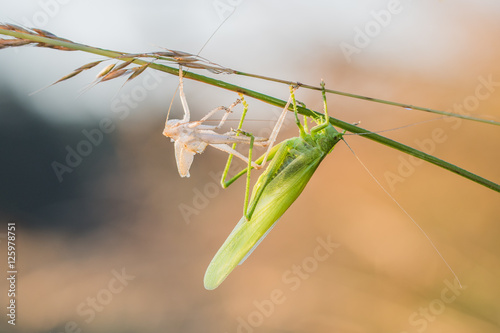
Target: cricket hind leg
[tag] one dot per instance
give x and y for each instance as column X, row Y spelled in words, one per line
column 271, row 150
column 269, row 154
column 248, row 211
column 261, row 162
column 225, row 183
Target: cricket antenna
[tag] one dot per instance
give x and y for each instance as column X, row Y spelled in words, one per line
column 407, row 214
column 396, row 128
column 215, row 31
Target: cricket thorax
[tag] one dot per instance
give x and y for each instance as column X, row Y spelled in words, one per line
column 172, row 128
column 327, row 138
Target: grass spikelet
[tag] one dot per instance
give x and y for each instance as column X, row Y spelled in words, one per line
column 105, row 70
column 89, row 65
column 124, row 64
column 114, row 74
column 14, row 27
column 72, row 74
column 78, row 71
column 4, row 43
column 44, row 33
column 14, row 42
column 137, row 71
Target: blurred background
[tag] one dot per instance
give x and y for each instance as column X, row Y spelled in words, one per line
column 118, row 242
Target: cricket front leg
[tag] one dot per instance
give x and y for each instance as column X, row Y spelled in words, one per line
column 228, row 110
column 325, row 111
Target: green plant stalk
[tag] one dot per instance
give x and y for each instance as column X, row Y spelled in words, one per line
column 115, row 54
column 274, row 101
column 408, row 107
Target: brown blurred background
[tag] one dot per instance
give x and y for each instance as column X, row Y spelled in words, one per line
column 118, row 213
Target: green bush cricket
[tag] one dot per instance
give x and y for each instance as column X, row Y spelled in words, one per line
column 293, row 162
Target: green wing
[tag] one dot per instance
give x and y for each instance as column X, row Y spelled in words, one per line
column 279, row 186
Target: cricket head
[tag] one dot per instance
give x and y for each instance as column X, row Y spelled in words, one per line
column 327, row 138
column 173, row 129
